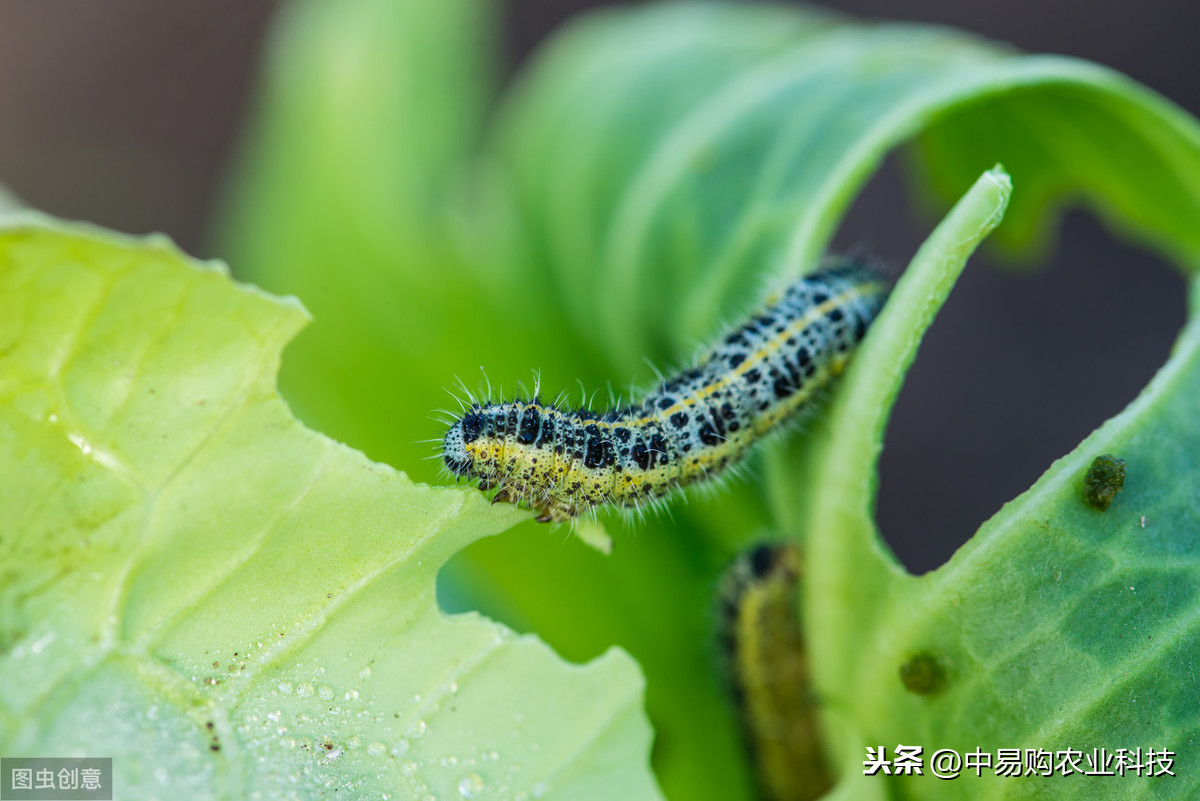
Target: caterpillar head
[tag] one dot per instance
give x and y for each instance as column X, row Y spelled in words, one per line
column 459, row 457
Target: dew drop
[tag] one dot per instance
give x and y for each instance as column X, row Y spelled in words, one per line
column 470, row 786
column 84, row 447
column 365, row 673
column 304, row 689
column 400, row 747
column 416, row 729
column 285, row 687
column 376, row 749
column 449, row 761
column 353, row 743
column 408, row 767
column 325, row 692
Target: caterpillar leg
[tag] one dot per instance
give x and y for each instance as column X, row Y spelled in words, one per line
column 547, row 514
column 556, row 514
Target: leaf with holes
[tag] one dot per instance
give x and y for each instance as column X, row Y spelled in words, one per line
column 228, row 604
column 651, row 170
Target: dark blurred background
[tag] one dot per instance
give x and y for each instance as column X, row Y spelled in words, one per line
column 126, row 112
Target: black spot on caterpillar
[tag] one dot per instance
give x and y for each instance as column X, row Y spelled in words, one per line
column 762, row 645
column 694, row 425
column 923, row 674
column 1104, row 479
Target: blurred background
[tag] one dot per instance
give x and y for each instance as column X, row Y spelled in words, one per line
column 127, row 112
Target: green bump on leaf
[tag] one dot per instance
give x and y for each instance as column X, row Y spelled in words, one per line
column 923, row 674
column 1104, row 479
column 233, row 606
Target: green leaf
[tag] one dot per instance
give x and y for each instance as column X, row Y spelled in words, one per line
column 1057, row 626
column 646, row 176
column 228, row 604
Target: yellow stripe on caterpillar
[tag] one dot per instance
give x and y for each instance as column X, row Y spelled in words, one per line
column 564, row 462
column 759, row 632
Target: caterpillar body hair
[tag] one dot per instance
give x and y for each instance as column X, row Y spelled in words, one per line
column 564, row 462
column 759, row 631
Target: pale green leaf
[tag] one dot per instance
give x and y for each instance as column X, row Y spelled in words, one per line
column 232, row 606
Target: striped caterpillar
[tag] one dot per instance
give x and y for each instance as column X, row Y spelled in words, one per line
column 563, row 462
column 766, row 665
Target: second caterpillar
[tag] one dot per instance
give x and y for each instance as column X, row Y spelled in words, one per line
column 564, row 462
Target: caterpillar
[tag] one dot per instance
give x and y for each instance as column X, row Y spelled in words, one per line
column 564, row 462
column 766, row 666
